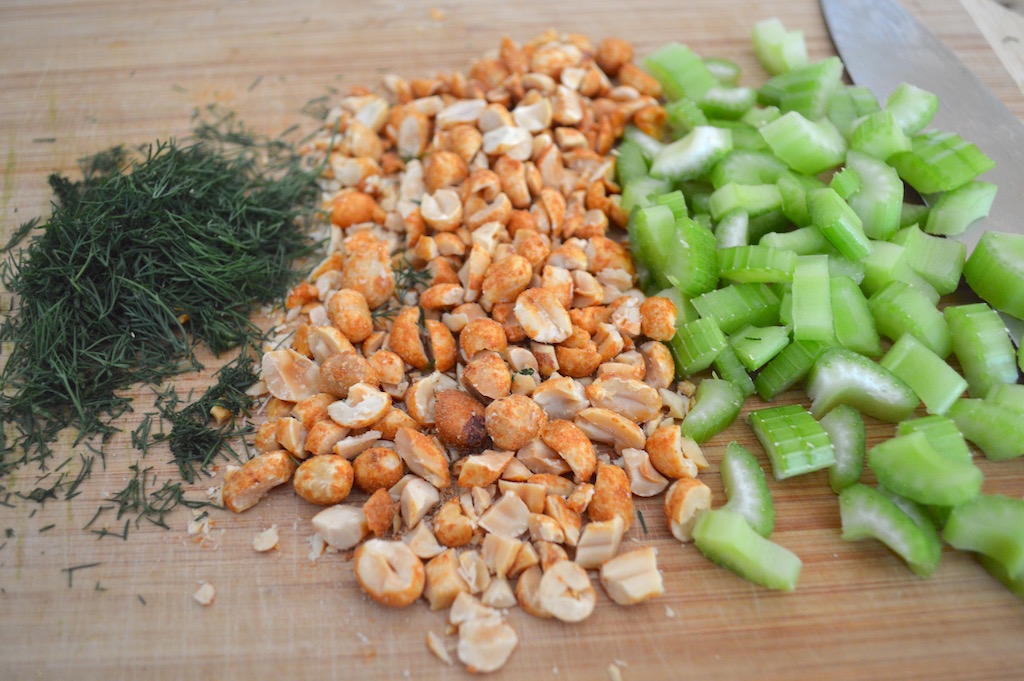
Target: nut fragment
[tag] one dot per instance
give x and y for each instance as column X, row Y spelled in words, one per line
column 513, row 421
column 508, row 516
column 443, row 582
column 460, row 420
column 484, row 469
column 435, row 644
column 667, row 449
column 379, row 511
column 423, row 543
column 499, row 553
column 528, row 590
column 421, row 397
column 498, row 594
column 350, row 314
column 568, row 520
column 685, row 499
column 418, row 498
column 604, row 425
column 323, row 480
column 340, row 372
column 632, row 577
column 265, row 540
column 323, row 436
column 612, row 496
column 631, row 398
column 341, row 526
column 566, row 593
column 599, row 542
column 482, row 334
column 389, row 572
column 377, row 468
column 486, row 644
column 658, row 318
column 541, row 459
column 451, row 527
column 290, row 376
column 364, row 406
column 644, row 479
column 572, row 444
column 423, row 457
column 487, row 376
column 244, row 487
column 561, row 397
column 542, row 316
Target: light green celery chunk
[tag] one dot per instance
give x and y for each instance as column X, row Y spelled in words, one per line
column 727, row 102
column 651, row 231
column 887, row 263
column 998, row 570
column 754, row 199
column 1009, row 395
column 732, row 231
column 747, row 489
column 840, row 376
column 683, row 116
column 997, row 430
column 691, row 263
column 629, row 162
column 641, row 191
column 694, row 155
column 717, row 403
column 982, row 345
column 685, row 312
column 727, row 365
column 995, row 271
column 759, row 115
column 787, row 368
column 852, row 320
column 760, row 263
column 899, row 308
column 838, row 266
column 939, row 261
column 839, row 223
column 868, row 514
column 806, row 90
column 794, row 199
column 1020, row 357
column 743, row 166
column 879, row 200
column 913, row 214
column 725, row 71
column 695, row 346
column 802, row 241
column 794, row 441
column 940, row 161
column 941, row 432
column 777, row 49
column 912, row 107
column 648, row 145
column 812, row 303
column 756, row 345
column 935, row 382
column 909, row 466
column 845, row 182
column 846, row 431
column 993, row 525
column 879, row 135
column 725, row 538
column 958, row 209
column 675, row 201
column 733, row 307
column 848, row 105
column 806, row 146
column 681, row 72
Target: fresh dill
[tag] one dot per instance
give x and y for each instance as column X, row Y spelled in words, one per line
column 72, row 570
column 643, row 523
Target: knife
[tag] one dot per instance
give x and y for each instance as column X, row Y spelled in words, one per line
column 883, row 45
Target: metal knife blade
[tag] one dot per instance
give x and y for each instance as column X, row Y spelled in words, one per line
column 883, row 45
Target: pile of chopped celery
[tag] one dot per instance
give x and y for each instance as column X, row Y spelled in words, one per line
column 779, row 221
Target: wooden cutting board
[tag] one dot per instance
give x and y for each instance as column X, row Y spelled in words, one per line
column 77, row 77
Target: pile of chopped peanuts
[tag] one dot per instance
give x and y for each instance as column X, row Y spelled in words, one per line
column 474, row 357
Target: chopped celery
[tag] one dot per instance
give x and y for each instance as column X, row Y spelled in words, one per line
column 694, row 155
column 941, row 432
column 729, row 367
column 806, row 90
column 747, row 489
column 997, row 430
column 880, row 198
column 760, row 263
column 684, row 115
column 899, row 308
column 812, row 303
column 982, row 345
column 695, row 346
column 868, row 514
column 935, row 382
column 912, row 107
column 727, row 102
column 913, row 214
column 675, row 201
column 939, row 161
column 652, row 230
column 803, row 241
column 680, row 71
column 911, row 467
column 717, row 404
column 725, row 71
column 806, row 146
column 731, row 231
column 794, row 441
column 845, row 182
column 754, row 199
column 629, row 162
column 879, row 135
column 759, row 115
column 846, row 431
column 743, row 166
column 995, row 271
column 956, row 210
column 787, row 368
column 854, row 326
column 641, row 190
column 838, row 266
column 685, row 312
column 648, row 145
column 939, row 261
column 838, row 222
column 794, row 199
column 1007, row 395
column 691, row 262
column 993, row 525
column 733, row 307
column 756, row 345
column 887, row 263
column 777, row 49
column 725, row 538
column 840, row 376
column 849, row 104
column 998, row 570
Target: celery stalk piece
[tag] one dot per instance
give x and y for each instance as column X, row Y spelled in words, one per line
column 725, row 538
column 958, row 209
column 993, row 525
column 786, row 306
column 879, row 201
column 694, row 155
column 848, row 105
column 940, row 161
column 717, row 404
column 629, row 162
column 691, row 261
column 747, row 489
column 651, row 231
column 846, row 431
column 756, row 345
column 695, row 346
column 648, row 145
column 846, row 182
column 641, row 191
column 787, row 368
column 941, row 432
column 909, row 466
column 675, row 201
column 887, row 263
column 795, row 442
column 912, row 107
column 729, row 367
column 879, row 135
column 995, row 270
column 982, row 345
column 755, row 199
column 899, row 308
column 839, row 223
column 868, row 514
column 685, row 312
column 913, row 214
column 1009, row 395
column 806, row 90
column 759, row 115
column 939, row 261
column 725, row 71
column 683, row 116
column 681, row 72
column 777, row 49
column 852, row 320
column 743, row 166
column 727, row 102
column 998, row 570
column 794, row 199
column 935, row 382
column 733, row 307
column 998, row 431
column 733, row 230
column 838, row 266
column 812, row 303
column 840, row 376
column 805, row 146
column 802, row 241
column 1020, row 357
column 753, row 264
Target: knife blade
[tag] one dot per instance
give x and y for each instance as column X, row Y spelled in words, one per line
column 882, row 45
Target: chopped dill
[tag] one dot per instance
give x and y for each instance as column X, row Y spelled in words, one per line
column 141, row 599
column 139, row 497
column 643, row 523
column 20, row 233
column 72, row 570
column 47, row 528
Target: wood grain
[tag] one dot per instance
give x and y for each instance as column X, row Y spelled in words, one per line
column 77, row 77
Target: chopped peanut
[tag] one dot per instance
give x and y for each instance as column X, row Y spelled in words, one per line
column 389, row 572
column 632, row 577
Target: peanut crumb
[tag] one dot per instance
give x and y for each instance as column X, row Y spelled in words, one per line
column 205, row 594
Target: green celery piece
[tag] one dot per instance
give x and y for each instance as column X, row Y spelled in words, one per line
column 879, row 134
column 786, row 306
column 993, row 525
column 913, row 214
column 756, row 264
column 958, row 209
column 806, row 90
column 717, row 404
column 795, row 442
column 675, row 201
column 939, row 261
column 997, row 430
column 802, row 241
column 725, row 538
column 745, row 137
column 941, row 432
column 846, row 431
column 743, row 166
column 683, row 116
column 854, row 326
column 681, row 72
column 909, row 466
column 982, row 345
column 940, row 161
column 848, row 105
column 641, row 191
column 729, row 367
column 733, row 230
column 787, row 368
column 691, row 262
column 756, row 345
column 734, row 306
column 868, row 514
column 838, row 266
column 754, row 199
column 998, row 570
column 839, row 223
column 747, row 489
column 694, row 155
column 794, row 199
column 727, row 102
column 846, row 182
column 1009, row 395
column 759, row 115
column 648, row 145
column 995, row 271
column 685, row 312
column 888, row 262
column 912, row 107
column 840, row 376
column 879, row 201
column 725, row 71
column 651, row 231
column 812, row 303
column 695, row 346
column 629, row 162
column 806, row 146
column 777, row 49
column 899, row 308
column 1020, row 357
column 935, row 382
